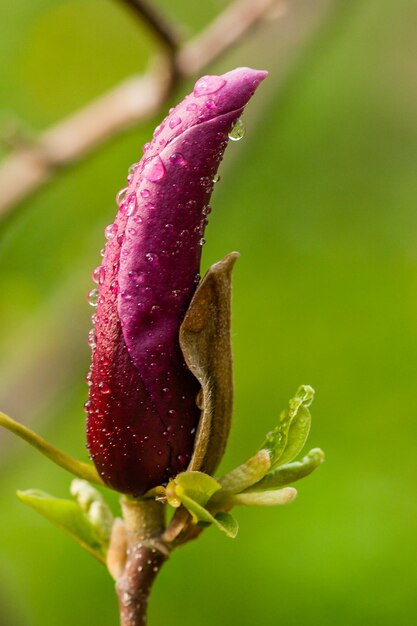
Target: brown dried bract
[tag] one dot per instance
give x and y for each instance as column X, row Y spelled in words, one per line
column 206, row 344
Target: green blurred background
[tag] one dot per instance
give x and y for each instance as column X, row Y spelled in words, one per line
column 320, row 199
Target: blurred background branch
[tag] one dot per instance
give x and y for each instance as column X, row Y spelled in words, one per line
column 133, row 101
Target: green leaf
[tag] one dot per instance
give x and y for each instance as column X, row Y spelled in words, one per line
column 224, row 521
column 266, row 498
column 78, row 468
column 67, row 515
column 198, row 486
column 93, row 504
column 289, row 437
column 246, row 474
column 287, row 474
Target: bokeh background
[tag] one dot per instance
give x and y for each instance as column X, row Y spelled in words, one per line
column 320, row 199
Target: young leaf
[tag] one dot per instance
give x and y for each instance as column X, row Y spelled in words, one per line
column 78, row 468
column 246, row 474
column 289, row 437
column 67, row 515
column 198, row 486
column 287, row 474
column 224, row 521
column 92, row 503
column 266, row 498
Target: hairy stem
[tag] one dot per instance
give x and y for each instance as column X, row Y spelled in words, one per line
column 146, row 553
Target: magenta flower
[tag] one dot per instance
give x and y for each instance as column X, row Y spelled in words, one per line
column 142, row 412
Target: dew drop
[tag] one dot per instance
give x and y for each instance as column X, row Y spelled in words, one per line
column 101, row 274
column 121, row 196
column 178, row 159
column 158, row 130
column 104, row 388
column 131, row 204
column 216, row 178
column 145, row 193
column 175, row 121
column 110, row 231
column 154, row 170
column 92, row 338
column 132, row 168
column 151, row 258
column 114, row 287
column 92, row 297
column 208, row 85
column 191, row 107
column 182, row 459
column 95, row 274
column 88, row 406
column 237, row 131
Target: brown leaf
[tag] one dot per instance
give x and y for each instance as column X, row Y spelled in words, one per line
column 206, row 345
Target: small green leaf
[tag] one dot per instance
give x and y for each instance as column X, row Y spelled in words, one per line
column 93, row 504
column 78, row 468
column 224, row 521
column 289, row 437
column 67, row 515
column 266, row 498
column 227, row 523
column 246, row 474
column 198, row 486
column 287, row 474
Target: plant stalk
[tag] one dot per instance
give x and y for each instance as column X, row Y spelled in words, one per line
column 146, row 553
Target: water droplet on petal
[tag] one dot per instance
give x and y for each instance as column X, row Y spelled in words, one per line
column 114, row 287
column 95, row 274
column 92, row 338
column 175, row 121
column 110, row 231
column 216, row 178
column 191, row 107
column 101, row 275
column 158, row 130
column 132, row 168
column 178, row 159
column 237, row 131
column 92, row 297
column 154, row 170
column 131, row 204
column 208, row 85
column 145, row 193
column 121, row 196
column 151, row 258
column 105, row 389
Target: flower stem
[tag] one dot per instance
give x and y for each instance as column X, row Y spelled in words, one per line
column 146, row 553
